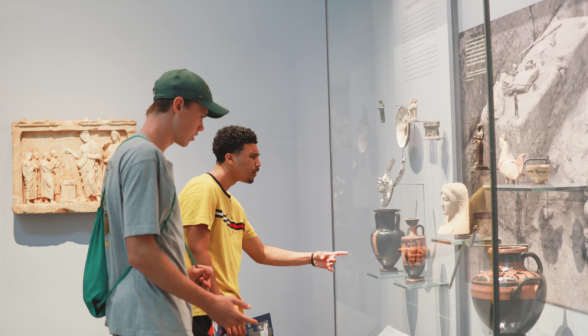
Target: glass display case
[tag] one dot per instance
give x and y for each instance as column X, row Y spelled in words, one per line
column 452, row 189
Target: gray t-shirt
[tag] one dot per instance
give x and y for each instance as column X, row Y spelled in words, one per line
column 139, row 188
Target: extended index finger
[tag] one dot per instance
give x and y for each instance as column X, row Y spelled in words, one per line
column 338, row 253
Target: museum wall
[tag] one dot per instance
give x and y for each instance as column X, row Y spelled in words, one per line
column 265, row 61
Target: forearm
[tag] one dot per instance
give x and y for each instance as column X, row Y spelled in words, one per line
column 203, row 258
column 275, row 256
column 74, row 154
column 151, row 262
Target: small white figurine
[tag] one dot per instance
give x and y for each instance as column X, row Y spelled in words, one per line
column 412, row 110
column 509, row 167
column 455, row 204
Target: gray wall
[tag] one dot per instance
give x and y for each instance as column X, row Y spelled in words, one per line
column 266, row 61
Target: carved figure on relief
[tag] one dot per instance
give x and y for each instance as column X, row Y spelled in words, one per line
column 29, row 174
column 90, row 166
column 455, row 205
column 47, row 179
column 111, row 145
column 509, row 167
column 37, row 161
column 57, row 174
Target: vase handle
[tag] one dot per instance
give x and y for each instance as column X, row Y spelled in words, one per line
column 527, row 160
column 517, row 293
column 537, row 260
column 422, row 229
column 397, row 217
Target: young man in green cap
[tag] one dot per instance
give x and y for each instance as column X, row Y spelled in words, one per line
column 154, row 298
column 217, row 229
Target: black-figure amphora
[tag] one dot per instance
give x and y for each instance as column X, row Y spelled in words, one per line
column 386, row 240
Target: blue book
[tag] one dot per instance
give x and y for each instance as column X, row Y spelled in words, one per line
column 263, row 327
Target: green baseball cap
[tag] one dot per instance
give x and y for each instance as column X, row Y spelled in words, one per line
column 188, row 85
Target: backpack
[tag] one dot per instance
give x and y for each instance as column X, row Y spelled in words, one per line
column 95, row 283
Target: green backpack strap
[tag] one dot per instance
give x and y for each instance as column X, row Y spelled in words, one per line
column 190, row 255
column 136, row 136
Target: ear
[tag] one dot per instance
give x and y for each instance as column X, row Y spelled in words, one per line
column 230, row 159
column 177, row 105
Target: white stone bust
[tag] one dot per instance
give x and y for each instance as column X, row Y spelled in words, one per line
column 455, row 204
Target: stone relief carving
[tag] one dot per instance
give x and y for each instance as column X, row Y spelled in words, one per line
column 431, row 130
column 58, row 166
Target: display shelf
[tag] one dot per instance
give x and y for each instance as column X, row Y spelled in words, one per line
column 541, row 187
column 427, row 283
column 386, row 275
column 455, row 242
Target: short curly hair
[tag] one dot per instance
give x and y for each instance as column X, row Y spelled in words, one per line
column 231, row 139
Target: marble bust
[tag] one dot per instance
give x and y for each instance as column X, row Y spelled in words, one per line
column 455, row 204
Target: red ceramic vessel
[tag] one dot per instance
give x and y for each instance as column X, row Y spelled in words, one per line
column 522, row 292
column 414, row 251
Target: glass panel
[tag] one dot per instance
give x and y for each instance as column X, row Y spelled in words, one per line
column 411, row 178
column 540, row 61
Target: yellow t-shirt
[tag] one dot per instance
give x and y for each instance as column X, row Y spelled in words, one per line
column 204, row 201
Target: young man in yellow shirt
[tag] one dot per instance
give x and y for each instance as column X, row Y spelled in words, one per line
column 217, row 229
